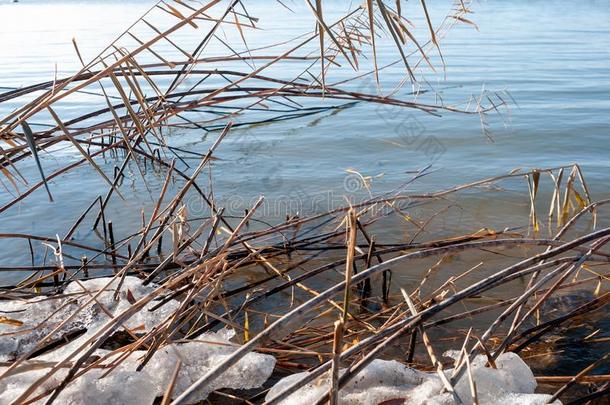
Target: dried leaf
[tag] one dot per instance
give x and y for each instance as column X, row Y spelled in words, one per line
column 8, row 321
column 130, row 298
column 29, row 136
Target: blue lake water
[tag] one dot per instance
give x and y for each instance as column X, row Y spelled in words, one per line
column 552, row 57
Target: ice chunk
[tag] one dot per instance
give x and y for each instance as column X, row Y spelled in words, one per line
column 40, row 316
column 127, row 386
column 501, row 385
column 37, row 318
column 379, row 381
column 511, row 383
column 120, row 387
column 34, row 319
column 197, row 359
column 105, row 305
column 13, row 385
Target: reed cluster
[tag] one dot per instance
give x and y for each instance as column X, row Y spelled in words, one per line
column 315, row 291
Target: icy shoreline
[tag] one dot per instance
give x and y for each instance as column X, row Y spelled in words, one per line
column 29, row 321
column 511, row 383
column 124, row 385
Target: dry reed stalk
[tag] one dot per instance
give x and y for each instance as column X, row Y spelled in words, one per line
column 333, row 392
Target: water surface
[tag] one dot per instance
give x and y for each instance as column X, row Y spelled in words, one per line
column 552, row 56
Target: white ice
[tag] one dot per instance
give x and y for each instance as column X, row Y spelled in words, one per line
column 42, row 315
column 124, row 385
column 512, row 383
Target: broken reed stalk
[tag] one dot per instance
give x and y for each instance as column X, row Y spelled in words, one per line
column 433, row 358
column 337, row 342
column 349, row 262
column 170, row 388
column 112, row 244
column 351, row 221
